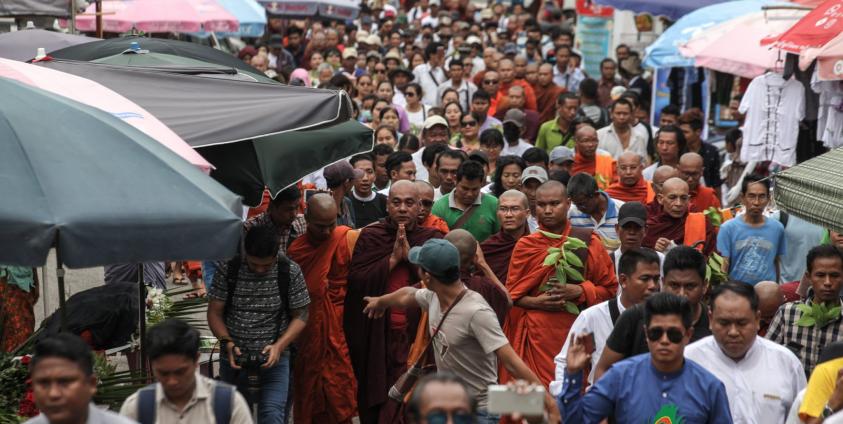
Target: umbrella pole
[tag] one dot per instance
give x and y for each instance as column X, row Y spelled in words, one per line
column 60, row 279
column 141, row 319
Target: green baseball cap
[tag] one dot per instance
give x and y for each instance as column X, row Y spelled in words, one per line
column 438, row 257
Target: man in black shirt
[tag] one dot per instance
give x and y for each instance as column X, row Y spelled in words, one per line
column 684, row 275
column 691, row 124
column 369, row 206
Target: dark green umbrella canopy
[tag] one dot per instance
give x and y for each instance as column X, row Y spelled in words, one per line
column 281, row 160
column 813, row 190
column 177, row 64
column 102, row 192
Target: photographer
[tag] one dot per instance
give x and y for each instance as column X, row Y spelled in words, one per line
column 181, row 393
column 257, row 307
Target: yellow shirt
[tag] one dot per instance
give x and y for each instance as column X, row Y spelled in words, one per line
column 820, row 386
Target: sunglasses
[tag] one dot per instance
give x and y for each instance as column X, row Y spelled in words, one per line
column 441, row 417
column 469, row 124
column 655, row 334
column 426, row 203
column 409, row 94
column 490, row 81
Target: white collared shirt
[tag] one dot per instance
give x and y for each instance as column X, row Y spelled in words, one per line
column 609, row 141
column 596, row 320
column 762, row 386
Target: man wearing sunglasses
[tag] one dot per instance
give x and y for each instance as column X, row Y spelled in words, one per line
column 658, row 387
column 684, row 275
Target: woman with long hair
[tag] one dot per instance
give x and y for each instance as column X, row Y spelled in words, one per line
column 469, row 140
column 508, row 170
column 386, row 91
column 363, row 87
column 417, row 111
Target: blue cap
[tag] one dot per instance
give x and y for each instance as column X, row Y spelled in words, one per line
column 438, row 257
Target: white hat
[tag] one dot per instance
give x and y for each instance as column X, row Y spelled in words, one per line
column 534, row 173
column 433, row 121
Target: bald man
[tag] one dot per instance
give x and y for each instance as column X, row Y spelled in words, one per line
column 691, row 170
column 539, row 322
column 674, row 225
column 770, row 297
column 516, row 99
column 631, row 185
column 324, row 380
column 380, row 265
column 506, row 70
column 427, row 219
column 587, row 159
column 476, row 274
column 661, row 174
column 513, row 212
column 547, row 93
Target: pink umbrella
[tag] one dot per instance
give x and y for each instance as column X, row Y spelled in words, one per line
column 160, row 16
column 735, row 46
column 95, row 95
column 829, row 59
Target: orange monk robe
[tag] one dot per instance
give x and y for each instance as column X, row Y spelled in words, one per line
column 704, row 198
column 537, row 336
column 602, row 165
column 642, row 192
column 325, row 376
column 435, row 222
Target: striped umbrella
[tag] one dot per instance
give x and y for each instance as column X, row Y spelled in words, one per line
column 813, row 190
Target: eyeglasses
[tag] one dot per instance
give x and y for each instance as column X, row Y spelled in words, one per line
column 655, row 334
column 513, row 210
column 426, row 203
column 485, row 81
column 469, row 124
column 441, row 417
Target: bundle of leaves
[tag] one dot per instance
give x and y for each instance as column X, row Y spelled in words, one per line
column 565, row 262
column 816, row 314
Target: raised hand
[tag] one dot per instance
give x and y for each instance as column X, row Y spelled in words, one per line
column 578, row 356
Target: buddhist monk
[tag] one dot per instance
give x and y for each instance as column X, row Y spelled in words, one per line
column 323, row 381
column 674, row 225
column 691, row 170
column 427, row 219
column 476, row 274
column 661, row 174
column 379, row 265
column 513, row 211
column 538, row 324
column 587, row 159
column 631, row 185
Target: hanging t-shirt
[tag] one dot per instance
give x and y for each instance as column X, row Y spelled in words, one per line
column 773, row 110
column 830, row 113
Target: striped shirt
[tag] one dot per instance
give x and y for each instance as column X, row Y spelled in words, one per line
column 806, row 342
column 256, row 306
column 605, row 228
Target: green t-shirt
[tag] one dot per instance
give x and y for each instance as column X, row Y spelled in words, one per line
column 551, row 136
column 482, row 224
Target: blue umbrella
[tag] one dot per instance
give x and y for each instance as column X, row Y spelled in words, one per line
column 672, row 9
column 250, row 14
column 664, row 52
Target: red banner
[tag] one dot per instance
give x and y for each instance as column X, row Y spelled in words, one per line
column 589, row 8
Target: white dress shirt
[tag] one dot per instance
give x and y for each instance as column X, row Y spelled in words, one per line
column 518, row 150
column 596, row 320
column 609, row 141
column 429, row 80
column 762, row 386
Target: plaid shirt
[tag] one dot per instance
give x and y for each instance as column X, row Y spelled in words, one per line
column 286, row 235
column 806, row 342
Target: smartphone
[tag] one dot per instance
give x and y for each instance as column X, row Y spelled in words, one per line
column 504, row 400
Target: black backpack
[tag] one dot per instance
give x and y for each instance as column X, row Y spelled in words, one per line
column 222, row 401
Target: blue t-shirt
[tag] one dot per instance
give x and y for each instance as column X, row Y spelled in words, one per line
column 751, row 250
column 633, row 391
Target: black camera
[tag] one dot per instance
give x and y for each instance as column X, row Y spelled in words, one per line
column 251, row 360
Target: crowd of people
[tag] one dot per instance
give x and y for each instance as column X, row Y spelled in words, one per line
column 517, row 222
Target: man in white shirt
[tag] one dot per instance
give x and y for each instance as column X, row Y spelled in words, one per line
column 563, row 75
column 435, row 130
column 620, row 136
column 640, row 274
column 762, row 378
column 465, row 88
column 513, row 129
column 430, row 74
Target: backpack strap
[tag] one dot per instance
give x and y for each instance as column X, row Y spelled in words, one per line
column 614, row 312
column 222, row 402
column 146, row 405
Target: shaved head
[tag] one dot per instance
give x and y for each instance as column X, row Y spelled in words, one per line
column 403, row 203
column 630, row 157
column 674, row 197
column 552, row 187
column 426, row 196
column 692, row 159
column 517, row 196
column 552, row 206
column 662, row 174
column 513, row 211
column 630, row 168
column 321, row 217
column 770, row 297
column 691, row 168
column 585, row 141
column 423, row 187
column 465, row 243
column 405, row 187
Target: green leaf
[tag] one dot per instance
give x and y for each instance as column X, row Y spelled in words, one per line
column 561, row 276
column 574, row 243
column 803, row 308
column 833, row 312
column 573, row 274
column 552, row 258
column 806, row 321
column 545, row 287
column 571, row 308
column 553, row 249
column 708, row 273
column 573, row 259
column 550, row 235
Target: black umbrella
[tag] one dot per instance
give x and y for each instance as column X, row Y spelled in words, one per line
column 210, row 111
column 112, row 46
column 23, row 45
column 59, row 8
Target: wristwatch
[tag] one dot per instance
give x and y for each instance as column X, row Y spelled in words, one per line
column 827, row 411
